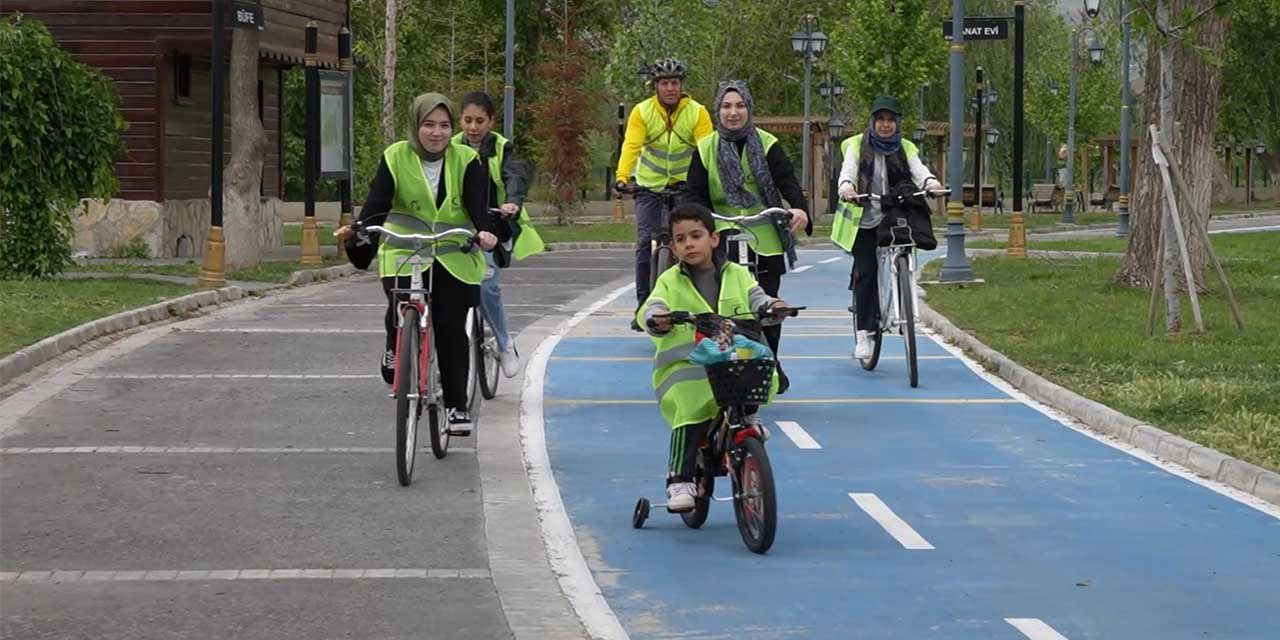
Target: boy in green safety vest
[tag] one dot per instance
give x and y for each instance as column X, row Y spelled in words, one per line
column 509, row 187
column 702, row 282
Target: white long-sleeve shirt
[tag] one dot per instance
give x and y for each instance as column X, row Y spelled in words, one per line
column 871, row 214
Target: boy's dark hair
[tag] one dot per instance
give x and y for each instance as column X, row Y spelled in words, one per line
column 692, row 211
column 479, row 99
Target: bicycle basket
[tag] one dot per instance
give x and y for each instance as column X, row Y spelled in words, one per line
column 741, row 382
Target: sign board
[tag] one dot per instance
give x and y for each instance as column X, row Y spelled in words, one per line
column 247, row 15
column 335, row 125
column 980, row 28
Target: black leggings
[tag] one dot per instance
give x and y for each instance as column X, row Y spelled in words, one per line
column 451, row 298
column 770, row 270
column 864, row 280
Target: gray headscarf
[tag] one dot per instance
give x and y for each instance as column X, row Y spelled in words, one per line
column 423, row 105
column 729, row 160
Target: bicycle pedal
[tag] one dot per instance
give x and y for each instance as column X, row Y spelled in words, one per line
column 461, row 433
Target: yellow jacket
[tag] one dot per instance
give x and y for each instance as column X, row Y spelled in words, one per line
column 638, row 132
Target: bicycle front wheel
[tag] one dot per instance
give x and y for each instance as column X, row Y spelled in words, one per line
column 907, row 311
column 488, row 358
column 659, row 263
column 408, row 396
column 435, row 409
column 867, row 363
column 475, row 358
column 754, row 502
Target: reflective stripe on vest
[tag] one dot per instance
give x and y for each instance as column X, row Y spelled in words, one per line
column 765, row 240
column 527, row 240
column 668, row 143
column 681, row 387
column 844, row 229
column 415, row 197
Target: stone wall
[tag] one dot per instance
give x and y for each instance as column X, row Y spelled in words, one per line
column 169, row 229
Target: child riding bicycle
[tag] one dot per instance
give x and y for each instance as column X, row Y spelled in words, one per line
column 701, row 283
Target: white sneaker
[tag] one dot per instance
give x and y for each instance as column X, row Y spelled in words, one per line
column 510, row 362
column 865, row 346
column 680, row 496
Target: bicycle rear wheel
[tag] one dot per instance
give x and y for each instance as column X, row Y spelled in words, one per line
column 906, row 308
column 408, row 409
column 435, row 410
column 659, row 262
column 488, row 358
column 754, row 501
column 704, row 477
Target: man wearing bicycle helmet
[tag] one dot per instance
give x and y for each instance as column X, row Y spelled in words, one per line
column 662, row 132
column 874, row 161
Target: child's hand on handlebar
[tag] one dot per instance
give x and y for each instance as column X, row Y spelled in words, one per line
column 780, row 309
column 798, row 220
column 660, row 322
column 486, row 240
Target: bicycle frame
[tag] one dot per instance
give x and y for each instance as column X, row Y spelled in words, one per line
column 890, row 316
column 743, row 225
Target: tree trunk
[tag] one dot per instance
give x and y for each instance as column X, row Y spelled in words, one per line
column 389, row 74
column 243, row 223
column 1190, row 122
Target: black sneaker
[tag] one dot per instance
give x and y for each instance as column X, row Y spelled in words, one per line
column 635, row 326
column 459, row 422
column 389, row 366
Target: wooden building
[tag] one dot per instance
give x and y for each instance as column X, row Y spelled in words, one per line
column 158, row 54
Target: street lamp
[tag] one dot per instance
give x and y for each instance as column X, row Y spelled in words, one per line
column 831, row 88
column 1095, row 56
column 919, row 135
column 1091, row 8
column 993, row 136
column 1122, row 221
column 642, row 73
column 808, row 43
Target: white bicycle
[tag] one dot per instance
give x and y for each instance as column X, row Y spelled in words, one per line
column 897, row 262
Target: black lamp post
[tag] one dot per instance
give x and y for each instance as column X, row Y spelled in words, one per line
column 808, row 43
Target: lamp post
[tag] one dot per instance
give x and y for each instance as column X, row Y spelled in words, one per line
column 1126, row 116
column 1049, row 163
column 956, row 267
column 831, row 89
column 980, row 100
column 1258, row 150
column 921, row 131
column 808, row 43
column 1016, row 247
column 1248, row 172
column 213, row 264
column 993, row 136
column 1095, row 57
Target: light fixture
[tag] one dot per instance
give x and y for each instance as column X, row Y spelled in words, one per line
column 824, row 89
column 1095, row 46
column 993, row 136
column 921, row 132
column 642, row 73
column 836, row 127
column 837, row 89
column 819, row 42
column 1053, row 87
column 1091, row 7
column 798, row 42
column 1260, row 148
column 992, row 94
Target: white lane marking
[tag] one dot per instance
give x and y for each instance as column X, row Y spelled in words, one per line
column 798, row 435
column 897, row 527
column 11, row 451
column 171, row 575
column 1035, row 629
column 283, row 330
column 802, row 269
column 1245, row 229
column 557, row 532
column 234, row 376
column 830, row 260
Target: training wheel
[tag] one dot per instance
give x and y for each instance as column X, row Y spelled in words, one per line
column 641, row 513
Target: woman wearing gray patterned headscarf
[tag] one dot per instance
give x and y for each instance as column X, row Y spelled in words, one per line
column 740, row 170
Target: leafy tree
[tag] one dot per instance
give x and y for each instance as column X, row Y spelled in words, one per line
column 1251, row 109
column 60, row 128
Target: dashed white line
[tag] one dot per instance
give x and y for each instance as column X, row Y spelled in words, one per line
column 172, row 575
column 802, row 269
column 798, row 435
column 897, row 527
column 830, row 260
column 1035, row 629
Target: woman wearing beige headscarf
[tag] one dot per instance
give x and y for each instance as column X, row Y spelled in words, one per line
column 440, row 185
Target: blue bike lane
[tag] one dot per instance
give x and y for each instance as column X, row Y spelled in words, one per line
column 953, row 510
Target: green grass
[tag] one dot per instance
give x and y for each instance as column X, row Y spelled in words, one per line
column 1229, row 246
column 1258, row 205
column 48, row 307
column 1046, row 220
column 274, row 271
column 614, row 232
column 293, row 234
column 1068, row 321
column 1103, row 244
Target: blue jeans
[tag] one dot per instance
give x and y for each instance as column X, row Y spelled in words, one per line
column 491, row 304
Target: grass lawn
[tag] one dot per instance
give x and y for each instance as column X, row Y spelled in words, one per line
column 1106, row 244
column 293, row 233
column 1258, row 205
column 615, row 232
column 1254, row 246
column 1044, row 220
column 48, row 307
column 1067, row 321
column 274, row 271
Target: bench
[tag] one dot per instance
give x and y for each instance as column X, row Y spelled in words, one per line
column 1047, row 195
column 988, row 195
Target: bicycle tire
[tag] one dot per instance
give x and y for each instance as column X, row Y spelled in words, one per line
column 475, row 359
column 704, row 477
column 755, row 504
column 869, row 363
column 407, row 409
column 488, row 358
column 906, row 308
column 439, row 426
column 659, row 262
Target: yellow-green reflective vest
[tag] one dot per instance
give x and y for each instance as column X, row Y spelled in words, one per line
column 684, row 395
column 668, row 143
column 765, row 240
column 415, row 197
column 848, row 214
column 528, row 242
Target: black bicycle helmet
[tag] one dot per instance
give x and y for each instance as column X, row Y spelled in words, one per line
column 668, row 68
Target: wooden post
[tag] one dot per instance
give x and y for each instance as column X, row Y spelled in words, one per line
column 1176, row 219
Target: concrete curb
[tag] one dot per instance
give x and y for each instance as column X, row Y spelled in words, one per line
column 41, row 352
column 1201, row 460
column 28, row 358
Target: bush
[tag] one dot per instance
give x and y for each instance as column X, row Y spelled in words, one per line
column 60, row 128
